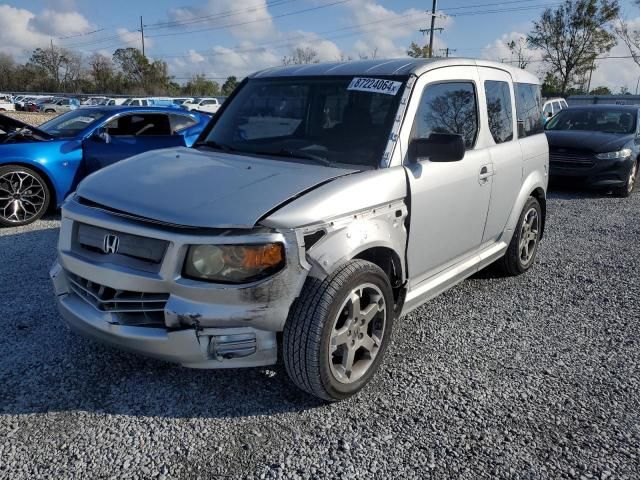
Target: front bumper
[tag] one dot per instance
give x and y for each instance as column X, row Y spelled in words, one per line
column 192, row 323
column 595, row 174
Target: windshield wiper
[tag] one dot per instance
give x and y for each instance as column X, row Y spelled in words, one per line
column 303, row 154
column 216, row 145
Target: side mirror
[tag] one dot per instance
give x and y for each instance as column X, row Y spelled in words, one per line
column 439, row 147
column 101, row 135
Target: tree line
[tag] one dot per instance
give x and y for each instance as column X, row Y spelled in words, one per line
column 55, row 69
column 570, row 40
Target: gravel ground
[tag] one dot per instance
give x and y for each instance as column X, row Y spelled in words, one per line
column 32, row 118
column 527, row 378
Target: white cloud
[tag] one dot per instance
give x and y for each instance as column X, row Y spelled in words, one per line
column 499, row 51
column 56, row 24
column 252, row 21
column 133, row 39
column 386, row 32
column 21, row 30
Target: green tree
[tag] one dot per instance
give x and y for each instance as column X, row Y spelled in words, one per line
column 199, row 86
column 572, row 36
column 551, row 86
column 229, row 86
column 601, row 91
column 7, row 72
column 416, row 51
column 140, row 75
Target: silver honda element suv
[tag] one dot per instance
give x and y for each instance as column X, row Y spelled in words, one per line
column 321, row 203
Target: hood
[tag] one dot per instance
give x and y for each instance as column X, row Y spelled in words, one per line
column 596, row 142
column 9, row 124
column 206, row 189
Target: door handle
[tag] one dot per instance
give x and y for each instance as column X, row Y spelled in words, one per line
column 484, row 175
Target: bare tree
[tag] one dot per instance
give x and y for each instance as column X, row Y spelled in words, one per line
column 573, row 35
column 299, row 56
column 519, row 52
column 629, row 36
column 57, row 63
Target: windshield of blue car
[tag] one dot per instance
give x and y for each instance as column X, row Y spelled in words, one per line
column 72, row 123
column 329, row 120
column 606, row 120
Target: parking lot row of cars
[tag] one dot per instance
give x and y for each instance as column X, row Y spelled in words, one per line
column 314, row 210
column 62, row 104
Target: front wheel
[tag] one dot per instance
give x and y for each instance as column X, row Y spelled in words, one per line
column 338, row 330
column 524, row 245
column 627, row 189
column 24, row 196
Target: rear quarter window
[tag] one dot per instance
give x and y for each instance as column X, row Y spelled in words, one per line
column 528, row 109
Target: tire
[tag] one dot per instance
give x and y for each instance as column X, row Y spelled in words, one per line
column 49, row 110
column 29, row 189
column 627, row 189
column 323, row 327
column 517, row 260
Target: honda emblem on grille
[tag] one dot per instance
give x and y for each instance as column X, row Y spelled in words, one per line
column 110, row 244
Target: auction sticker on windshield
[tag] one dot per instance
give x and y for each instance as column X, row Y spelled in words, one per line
column 375, row 85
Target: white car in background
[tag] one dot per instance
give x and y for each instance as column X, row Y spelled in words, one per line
column 59, row 105
column 6, row 104
column 552, row 106
column 208, row 105
column 136, row 102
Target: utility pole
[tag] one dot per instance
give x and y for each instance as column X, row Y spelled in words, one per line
column 142, row 35
column 433, row 25
column 593, row 67
column 432, row 29
column 447, row 51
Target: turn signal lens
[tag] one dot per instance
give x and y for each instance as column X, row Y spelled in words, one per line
column 233, row 263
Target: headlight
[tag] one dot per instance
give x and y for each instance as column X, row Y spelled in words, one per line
column 624, row 153
column 233, row 263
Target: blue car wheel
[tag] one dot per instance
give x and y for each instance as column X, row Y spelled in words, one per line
column 24, row 196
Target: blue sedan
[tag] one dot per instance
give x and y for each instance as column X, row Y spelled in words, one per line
column 40, row 166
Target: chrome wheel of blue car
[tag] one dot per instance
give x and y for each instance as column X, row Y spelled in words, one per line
column 24, row 196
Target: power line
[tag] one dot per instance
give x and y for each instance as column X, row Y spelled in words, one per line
column 206, row 18
column 249, row 22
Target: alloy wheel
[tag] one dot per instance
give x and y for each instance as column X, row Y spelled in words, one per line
column 22, row 197
column 529, row 235
column 357, row 333
column 632, row 177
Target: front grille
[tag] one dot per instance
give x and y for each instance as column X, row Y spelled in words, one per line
column 129, row 308
column 133, row 251
column 571, row 159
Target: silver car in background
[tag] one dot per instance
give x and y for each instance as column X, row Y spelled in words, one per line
column 322, row 203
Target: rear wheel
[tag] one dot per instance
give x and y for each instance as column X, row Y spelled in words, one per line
column 24, row 196
column 524, row 245
column 49, row 110
column 630, row 184
column 338, row 330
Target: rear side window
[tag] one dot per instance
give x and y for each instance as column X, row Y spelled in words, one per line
column 500, row 110
column 528, row 109
column 450, row 107
column 150, row 124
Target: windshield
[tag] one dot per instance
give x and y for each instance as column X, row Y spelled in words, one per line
column 72, row 123
column 342, row 120
column 606, row 120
